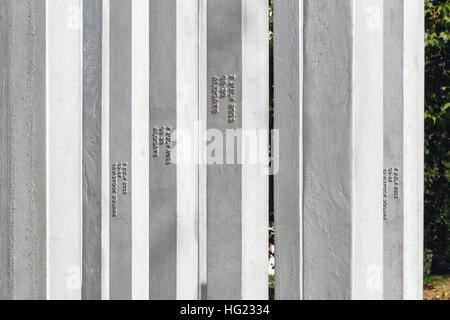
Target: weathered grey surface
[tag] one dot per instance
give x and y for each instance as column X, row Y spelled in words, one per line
column 403, row 149
column 327, row 152
column 163, row 177
column 4, row 156
column 224, row 185
column 343, row 147
column 288, row 66
column 237, row 189
column 106, row 165
column 23, row 214
column 202, row 168
column 120, row 147
column 92, row 149
column 173, row 194
column 393, row 149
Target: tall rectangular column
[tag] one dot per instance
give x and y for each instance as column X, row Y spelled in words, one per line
column 403, row 149
column 92, row 149
column 140, row 149
column 123, row 154
column 120, row 140
column 237, row 188
column 329, row 211
column 64, row 148
column 288, row 182
column 106, row 183
column 22, row 150
column 202, row 142
column 4, row 180
column 173, row 193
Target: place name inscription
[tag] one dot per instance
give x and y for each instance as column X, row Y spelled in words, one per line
column 391, row 188
column 119, row 184
column 224, row 92
column 163, row 142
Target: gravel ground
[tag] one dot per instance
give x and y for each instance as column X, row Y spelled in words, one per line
column 438, row 288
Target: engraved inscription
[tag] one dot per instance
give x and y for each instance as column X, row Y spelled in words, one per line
column 168, row 142
column 216, row 95
column 119, row 184
column 232, row 100
column 391, row 188
column 155, row 142
column 224, row 92
column 162, row 137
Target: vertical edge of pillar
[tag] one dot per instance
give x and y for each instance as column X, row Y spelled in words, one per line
column 237, row 187
column 404, row 134
column 202, row 116
column 106, row 186
column 23, row 131
column 140, row 149
column 163, row 172
column 288, row 66
column 4, row 150
column 92, row 149
column 419, row 38
column 367, row 202
column 120, row 149
column 64, row 143
column 327, row 149
column 342, row 175
column 393, row 211
column 413, row 148
column 224, row 180
column 255, row 176
column 187, row 104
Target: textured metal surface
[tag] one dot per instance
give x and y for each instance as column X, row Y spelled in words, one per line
column 23, row 142
column 393, row 149
column 202, row 168
column 288, row 115
column 237, row 188
column 92, row 149
column 120, row 149
column 255, row 180
column 86, row 122
column 224, row 199
column 163, row 178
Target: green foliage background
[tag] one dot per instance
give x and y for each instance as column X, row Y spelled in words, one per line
column 437, row 120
